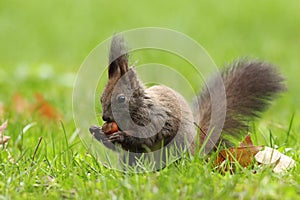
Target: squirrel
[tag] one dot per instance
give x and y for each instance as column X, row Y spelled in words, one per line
column 158, row 116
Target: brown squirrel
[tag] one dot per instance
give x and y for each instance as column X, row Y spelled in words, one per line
column 149, row 118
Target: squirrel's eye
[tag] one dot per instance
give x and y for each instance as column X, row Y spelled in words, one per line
column 121, row 99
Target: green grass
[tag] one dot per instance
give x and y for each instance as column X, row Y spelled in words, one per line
column 42, row 45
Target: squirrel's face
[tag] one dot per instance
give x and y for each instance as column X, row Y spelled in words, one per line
column 122, row 95
column 123, row 92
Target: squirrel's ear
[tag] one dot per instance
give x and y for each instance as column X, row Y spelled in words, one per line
column 118, row 57
column 132, row 78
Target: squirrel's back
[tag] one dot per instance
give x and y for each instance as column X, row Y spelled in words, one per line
column 178, row 116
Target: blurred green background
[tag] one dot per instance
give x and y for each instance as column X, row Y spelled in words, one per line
column 43, row 43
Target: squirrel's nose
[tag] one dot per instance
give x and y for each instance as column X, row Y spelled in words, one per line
column 107, row 118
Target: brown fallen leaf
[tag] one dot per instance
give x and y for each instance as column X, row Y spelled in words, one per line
column 244, row 156
column 247, row 154
column 44, row 108
column 3, row 138
column 20, row 104
column 41, row 106
column 247, row 141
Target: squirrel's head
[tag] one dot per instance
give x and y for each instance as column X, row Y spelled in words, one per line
column 123, row 88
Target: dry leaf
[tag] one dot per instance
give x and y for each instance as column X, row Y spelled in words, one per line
column 20, row 104
column 247, row 141
column 269, row 156
column 247, row 154
column 284, row 164
column 41, row 106
column 3, row 138
column 244, row 156
column 44, row 108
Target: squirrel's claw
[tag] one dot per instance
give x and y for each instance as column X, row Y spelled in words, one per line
column 117, row 137
column 98, row 133
column 93, row 129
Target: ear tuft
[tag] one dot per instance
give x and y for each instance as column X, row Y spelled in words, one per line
column 118, row 57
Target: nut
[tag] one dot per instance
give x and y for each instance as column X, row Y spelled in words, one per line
column 110, row 128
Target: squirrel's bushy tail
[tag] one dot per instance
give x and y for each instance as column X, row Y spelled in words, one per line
column 250, row 86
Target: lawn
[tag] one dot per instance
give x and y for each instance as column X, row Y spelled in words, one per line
column 42, row 46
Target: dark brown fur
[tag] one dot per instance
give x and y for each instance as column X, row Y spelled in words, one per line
column 250, row 86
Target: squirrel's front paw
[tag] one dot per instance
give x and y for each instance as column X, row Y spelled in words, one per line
column 97, row 132
column 118, row 137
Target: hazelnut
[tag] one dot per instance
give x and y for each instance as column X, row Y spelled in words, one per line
column 110, row 128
